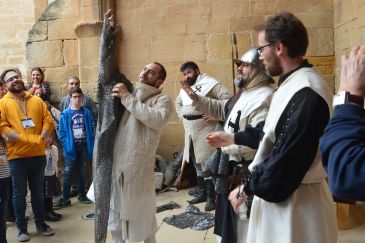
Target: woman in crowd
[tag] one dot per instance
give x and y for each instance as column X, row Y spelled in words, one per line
column 39, row 86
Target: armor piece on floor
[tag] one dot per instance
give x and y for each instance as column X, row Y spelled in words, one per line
column 167, row 206
column 193, row 218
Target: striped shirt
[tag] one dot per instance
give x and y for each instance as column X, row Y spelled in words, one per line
column 4, row 167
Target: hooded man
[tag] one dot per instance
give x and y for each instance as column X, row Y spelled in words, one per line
column 248, row 108
column 133, row 198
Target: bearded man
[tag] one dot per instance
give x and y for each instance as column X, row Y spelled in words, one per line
column 27, row 124
column 292, row 202
column 197, row 125
column 133, row 199
column 247, row 109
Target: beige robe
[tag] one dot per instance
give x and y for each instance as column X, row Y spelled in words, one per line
column 133, row 197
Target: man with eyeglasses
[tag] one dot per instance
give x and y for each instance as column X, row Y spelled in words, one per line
column 26, row 123
column 292, row 202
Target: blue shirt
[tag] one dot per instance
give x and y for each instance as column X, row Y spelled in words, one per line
column 78, row 126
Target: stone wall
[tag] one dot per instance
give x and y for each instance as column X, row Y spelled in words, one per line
column 174, row 31
column 64, row 41
column 16, row 18
column 349, row 28
column 52, row 45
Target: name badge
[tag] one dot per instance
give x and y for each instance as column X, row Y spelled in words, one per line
column 28, row 123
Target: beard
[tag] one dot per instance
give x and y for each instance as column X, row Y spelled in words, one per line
column 192, row 80
column 17, row 87
column 240, row 81
column 273, row 68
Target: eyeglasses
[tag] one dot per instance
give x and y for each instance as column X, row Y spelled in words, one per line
column 76, row 97
column 12, row 79
column 260, row 49
column 74, row 84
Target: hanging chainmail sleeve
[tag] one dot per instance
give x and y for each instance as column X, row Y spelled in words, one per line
column 110, row 112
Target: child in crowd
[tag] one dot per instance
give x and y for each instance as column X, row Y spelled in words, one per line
column 4, row 181
column 52, row 186
column 77, row 137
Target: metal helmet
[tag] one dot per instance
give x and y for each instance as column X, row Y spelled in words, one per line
column 250, row 57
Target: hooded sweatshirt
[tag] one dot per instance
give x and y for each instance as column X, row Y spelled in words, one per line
column 30, row 142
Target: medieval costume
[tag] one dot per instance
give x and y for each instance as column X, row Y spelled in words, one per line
column 248, row 107
column 196, row 128
column 133, row 199
column 287, row 178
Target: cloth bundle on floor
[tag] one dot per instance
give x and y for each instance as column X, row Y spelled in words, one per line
column 193, row 218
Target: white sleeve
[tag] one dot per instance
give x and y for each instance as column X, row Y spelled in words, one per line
column 54, row 152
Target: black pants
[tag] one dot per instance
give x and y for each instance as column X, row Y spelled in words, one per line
column 48, row 205
column 225, row 219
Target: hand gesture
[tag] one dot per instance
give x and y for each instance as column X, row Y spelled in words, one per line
column 189, row 91
column 209, row 119
column 352, row 78
column 111, row 21
column 235, row 200
column 219, row 139
column 119, row 90
column 2, row 160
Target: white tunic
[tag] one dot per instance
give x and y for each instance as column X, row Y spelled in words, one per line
column 308, row 215
column 196, row 130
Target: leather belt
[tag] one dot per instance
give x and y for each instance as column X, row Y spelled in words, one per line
column 193, row 117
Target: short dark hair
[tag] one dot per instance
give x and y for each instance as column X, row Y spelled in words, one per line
column 37, row 69
column 162, row 74
column 188, row 65
column 73, row 77
column 2, row 76
column 75, row 90
column 286, row 28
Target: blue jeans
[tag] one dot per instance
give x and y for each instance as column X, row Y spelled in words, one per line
column 29, row 170
column 80, row 163
column 4, row 190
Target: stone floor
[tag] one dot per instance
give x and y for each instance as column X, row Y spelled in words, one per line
column 73, row 229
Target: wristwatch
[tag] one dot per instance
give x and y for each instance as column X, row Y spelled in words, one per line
column 344, row 97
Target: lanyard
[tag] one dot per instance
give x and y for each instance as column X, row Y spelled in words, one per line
column 20, row 107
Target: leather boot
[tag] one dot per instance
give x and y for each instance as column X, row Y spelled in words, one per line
column 202, row 195
column 210, row 205
column 195, row 191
